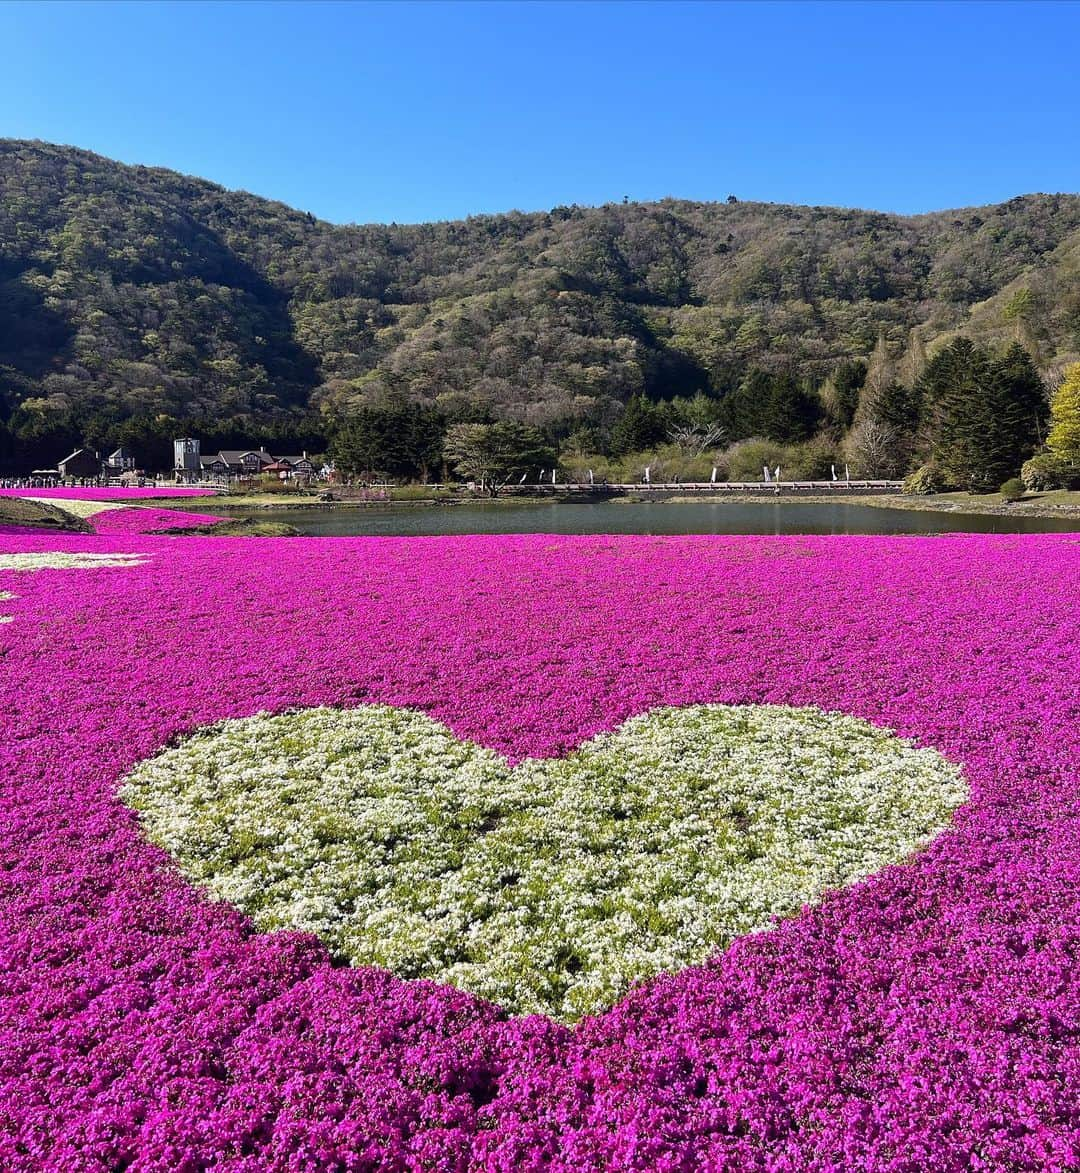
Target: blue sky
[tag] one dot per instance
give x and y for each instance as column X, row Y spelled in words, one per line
column 416, row 111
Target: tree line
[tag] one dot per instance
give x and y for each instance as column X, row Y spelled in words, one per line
column 970, row 418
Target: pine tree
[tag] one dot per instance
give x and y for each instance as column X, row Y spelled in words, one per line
column 792, row 412
column 978, row 409
column 897, row 407
column 1025, row 406
column 639, row 427
column 1064, row 437
column 493, row 453
column 745, row 408
column 847, row 382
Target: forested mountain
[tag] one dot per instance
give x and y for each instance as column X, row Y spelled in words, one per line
column 132, row 298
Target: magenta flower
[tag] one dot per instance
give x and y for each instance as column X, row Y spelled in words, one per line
column 927, row 1018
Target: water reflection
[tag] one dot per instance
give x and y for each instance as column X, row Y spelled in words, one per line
column 655, row 517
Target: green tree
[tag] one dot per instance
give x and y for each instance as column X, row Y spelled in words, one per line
column 1023, row 402
column 1064, row 438
column 641, row 425
column 791, row 412
column 399, row 440
column 744, row 409
column 965, row 441
column 984, row 413
column 847, row 381
column 897, row 407
column 491, row 454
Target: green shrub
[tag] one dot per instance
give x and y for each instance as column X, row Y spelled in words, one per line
column 924, row 481
column 1045, row 471
column 746, row 459
column 812, row 460
column 1013, row 489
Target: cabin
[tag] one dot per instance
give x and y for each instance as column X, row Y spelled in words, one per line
column 242, row 463
column 81, row 463
column 300, row 467
column 119, row 462
column 213, row 466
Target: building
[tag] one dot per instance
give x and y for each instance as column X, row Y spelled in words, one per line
column 240, row 462
column 186, row 461
column 80, row 464
column 213, row 466
column 119, row 462
column 287, row 467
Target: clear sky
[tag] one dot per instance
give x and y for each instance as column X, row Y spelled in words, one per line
column 417, row 111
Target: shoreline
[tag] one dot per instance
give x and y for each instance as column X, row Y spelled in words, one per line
column 1056, row 504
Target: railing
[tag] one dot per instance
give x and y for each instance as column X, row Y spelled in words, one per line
column 719, row 488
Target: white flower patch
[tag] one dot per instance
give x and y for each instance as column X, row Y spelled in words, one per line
column 554, row 885
column 4, row 597
column 76, row 507
column 59, row 560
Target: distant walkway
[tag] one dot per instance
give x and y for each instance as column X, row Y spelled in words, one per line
column 711, row 488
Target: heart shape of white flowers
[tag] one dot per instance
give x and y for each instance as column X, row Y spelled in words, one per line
column 552, row 885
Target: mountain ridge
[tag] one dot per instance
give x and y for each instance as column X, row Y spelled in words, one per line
column 134, row 292
column 174, row 173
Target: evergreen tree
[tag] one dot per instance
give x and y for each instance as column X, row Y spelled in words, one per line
column 398, row 440
column 493, row 453
column 1064, row 438
column 897, row 407
column 745, row 408
column 1024, row 405
column 983, row 414
column 966, row 447
column 640, row 426
column 792, row 412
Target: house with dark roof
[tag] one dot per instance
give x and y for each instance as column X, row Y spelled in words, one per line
column 213, row 466
column 120, row 461
column 250, row 462
column 81, row 463
column 296, row 466
column 240, row 462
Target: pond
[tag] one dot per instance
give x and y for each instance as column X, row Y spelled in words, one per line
column 651, row 517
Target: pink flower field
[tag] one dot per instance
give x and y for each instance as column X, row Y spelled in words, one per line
column 926, row 1018
column 111, row 493
column 143, row 519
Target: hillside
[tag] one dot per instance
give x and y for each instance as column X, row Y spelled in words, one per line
column 137, row 293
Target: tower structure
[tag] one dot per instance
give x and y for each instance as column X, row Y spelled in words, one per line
column 186, row 459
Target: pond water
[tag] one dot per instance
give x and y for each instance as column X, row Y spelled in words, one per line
column 651, row 517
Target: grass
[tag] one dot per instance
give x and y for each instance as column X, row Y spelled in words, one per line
column 420, row 493
column 240, row 527
column 39, row 515
column 1052, row 503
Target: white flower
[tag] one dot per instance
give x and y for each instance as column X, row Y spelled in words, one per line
column 59, row 560
column 554, row 885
